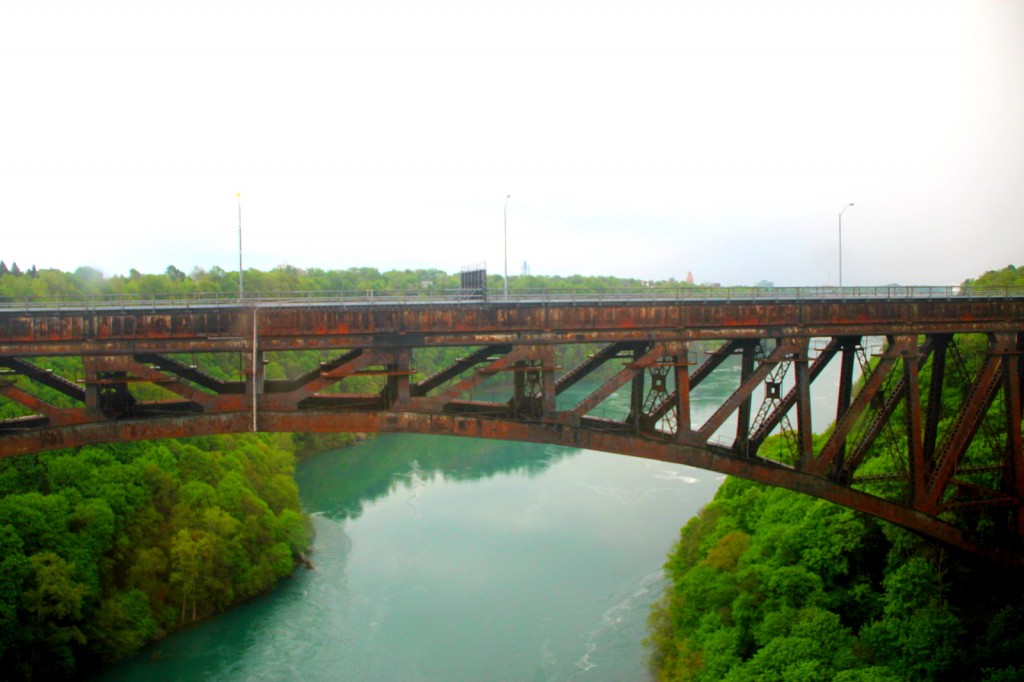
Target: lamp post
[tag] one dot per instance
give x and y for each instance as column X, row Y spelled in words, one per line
column 841, row 242
column 507, row 197
column 241, row 288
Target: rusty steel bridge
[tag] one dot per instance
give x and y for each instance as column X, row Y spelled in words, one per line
column 899, row 355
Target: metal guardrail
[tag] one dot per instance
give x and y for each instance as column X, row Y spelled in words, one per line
column 515, row 297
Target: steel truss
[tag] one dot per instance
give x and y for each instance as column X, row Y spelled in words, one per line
column 919, row 437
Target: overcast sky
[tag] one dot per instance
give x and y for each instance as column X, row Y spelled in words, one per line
column 638, row 139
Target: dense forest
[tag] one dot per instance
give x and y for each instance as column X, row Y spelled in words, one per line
column 767, row 584
column 107, row 547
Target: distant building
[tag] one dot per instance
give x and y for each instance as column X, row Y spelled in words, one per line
column 765, row 284
column 689, row 278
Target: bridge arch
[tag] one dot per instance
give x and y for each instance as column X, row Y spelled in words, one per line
column 755, row 469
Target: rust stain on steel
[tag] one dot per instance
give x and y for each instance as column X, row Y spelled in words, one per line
column 699, row 457
column 446, row 424
column 491, row 321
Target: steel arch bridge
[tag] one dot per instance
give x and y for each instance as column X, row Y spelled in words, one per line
column 925, row 435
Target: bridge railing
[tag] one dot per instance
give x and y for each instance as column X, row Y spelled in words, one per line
column 680, row 294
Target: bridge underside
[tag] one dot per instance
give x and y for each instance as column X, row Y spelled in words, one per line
column 921, row 428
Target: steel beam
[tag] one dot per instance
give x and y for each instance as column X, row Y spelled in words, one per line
column 515, row 345
column 966, row 424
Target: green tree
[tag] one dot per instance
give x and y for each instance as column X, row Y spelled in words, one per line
column 192, row 553
column 120, row 626
column 53, row 604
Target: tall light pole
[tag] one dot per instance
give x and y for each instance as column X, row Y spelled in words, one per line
column 241, row 287
column 507, row 197
column 841, row 242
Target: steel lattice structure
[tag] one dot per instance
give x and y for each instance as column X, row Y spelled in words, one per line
column 918, row 432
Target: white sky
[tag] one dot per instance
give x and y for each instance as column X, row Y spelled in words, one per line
column 638, row 139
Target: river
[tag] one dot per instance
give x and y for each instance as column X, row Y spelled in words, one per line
column 459, row 559
column 454, row 559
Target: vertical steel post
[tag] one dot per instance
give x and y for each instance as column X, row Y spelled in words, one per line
column 915, row 438
column 682, row 379
column 743, row 414
column 1014, row 447
column 940, row 345
column 845, row 396
column 636, row 393
column 547, row 356
column 804, row 426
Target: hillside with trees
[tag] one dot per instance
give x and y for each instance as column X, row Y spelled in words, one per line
column 768, row 584
column 106, row 547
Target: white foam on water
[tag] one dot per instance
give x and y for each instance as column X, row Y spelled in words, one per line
column 547, row 656
column 672, row 475
column 623, row 614
column 585, row 664
column 626, row 497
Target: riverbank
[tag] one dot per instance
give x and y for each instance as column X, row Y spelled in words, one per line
column 769, row 584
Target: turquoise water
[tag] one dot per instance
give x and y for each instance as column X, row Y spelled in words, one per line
column 455, row 559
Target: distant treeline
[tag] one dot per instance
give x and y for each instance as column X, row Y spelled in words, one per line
column 87, row 282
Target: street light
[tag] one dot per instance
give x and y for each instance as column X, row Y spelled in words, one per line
column 507, row 197
column 241, row 288
column 841, row 242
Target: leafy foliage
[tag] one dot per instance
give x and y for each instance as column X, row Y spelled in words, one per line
column 106, row 547
column 767, row 584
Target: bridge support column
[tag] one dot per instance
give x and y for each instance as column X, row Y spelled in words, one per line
column 106, row 387
column 1013, row 372
column 533, row 391
column 636, row 392
column 681, row 376
column 92, row 386
column 742, row 442
column 547, row 374
column 940, row 346
column 804, row 426
column 845, row 397
column 915, row 436
column 397, row 390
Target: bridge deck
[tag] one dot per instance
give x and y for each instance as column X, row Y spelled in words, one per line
column 301, row 324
